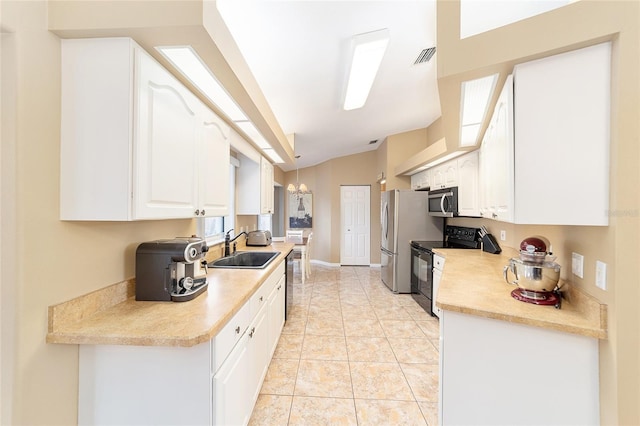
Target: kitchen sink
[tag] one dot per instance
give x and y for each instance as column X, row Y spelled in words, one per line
column 245, row 260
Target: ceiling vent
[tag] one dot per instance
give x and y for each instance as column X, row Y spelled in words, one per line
column 425, row 55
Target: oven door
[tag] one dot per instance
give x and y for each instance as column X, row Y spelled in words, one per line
column 422, row 278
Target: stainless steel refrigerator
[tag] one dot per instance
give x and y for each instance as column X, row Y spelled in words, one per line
column 404, row 217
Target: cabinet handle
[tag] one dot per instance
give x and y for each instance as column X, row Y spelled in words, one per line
column 202, row 212
column 261, row 298
column 253, row 329
column 198, row 212
column 238, row 330
column 280, row 286
column 494, row 215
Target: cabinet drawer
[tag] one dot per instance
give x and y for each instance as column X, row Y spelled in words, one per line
column 438, row 262
column 224, row 341
column 259, row 298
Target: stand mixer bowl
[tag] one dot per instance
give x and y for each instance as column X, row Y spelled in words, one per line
column 531, row 276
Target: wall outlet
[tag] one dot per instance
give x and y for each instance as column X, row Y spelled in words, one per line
column 503, row 235
column 601, row 275
column 577, row 264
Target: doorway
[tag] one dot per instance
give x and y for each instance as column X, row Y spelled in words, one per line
column 355, row 225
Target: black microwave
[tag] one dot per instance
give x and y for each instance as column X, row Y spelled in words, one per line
column 444, row 202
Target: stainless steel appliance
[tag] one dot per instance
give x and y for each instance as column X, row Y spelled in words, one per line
column 259, row 238
column 171, row 270
column 444, row 202
column 536, row 274
column 422, row 266
column 403, row 218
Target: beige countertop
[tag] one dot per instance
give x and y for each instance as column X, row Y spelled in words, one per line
column 473, row 283
column 112, row 316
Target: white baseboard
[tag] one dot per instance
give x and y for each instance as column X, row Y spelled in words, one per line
column 322, row 262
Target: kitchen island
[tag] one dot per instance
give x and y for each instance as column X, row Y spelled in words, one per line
column 503, row 361
column 195, row 362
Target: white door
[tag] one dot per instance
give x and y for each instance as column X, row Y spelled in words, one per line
column 355, row 212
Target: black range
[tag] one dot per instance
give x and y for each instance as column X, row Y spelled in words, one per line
column 458, row 237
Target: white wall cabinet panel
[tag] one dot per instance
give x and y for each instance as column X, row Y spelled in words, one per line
column 135, row 143
column 562, row 115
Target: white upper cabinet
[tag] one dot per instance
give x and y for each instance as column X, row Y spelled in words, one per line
column 214, row 183
column 544, row 159
column 444, row 175
column 135, row 143
column 496, row 160
column 467, row 181
column 421, row 180
column 255, row 186
column 266, row 182
column 562, row 131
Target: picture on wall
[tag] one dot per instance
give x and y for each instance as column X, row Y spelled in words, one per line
column 300, row 211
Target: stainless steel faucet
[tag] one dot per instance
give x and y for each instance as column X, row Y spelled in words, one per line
column 228, row 240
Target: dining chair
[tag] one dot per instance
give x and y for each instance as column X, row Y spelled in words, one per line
column 308, row 255
column 294, row 236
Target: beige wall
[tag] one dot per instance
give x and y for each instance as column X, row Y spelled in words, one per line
column 399, row 148
column 50, row 261
column 576, row 25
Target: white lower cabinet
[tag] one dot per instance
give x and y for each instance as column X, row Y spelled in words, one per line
column 213, row 383
column 231, row 405
column 495, row 372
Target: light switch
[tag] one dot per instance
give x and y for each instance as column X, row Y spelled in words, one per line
column 577, row 264
column 601, row 275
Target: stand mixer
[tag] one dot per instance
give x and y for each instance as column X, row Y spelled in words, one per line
column 536, row 274
column 171, row 270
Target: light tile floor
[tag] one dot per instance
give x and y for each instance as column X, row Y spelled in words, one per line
column 352, row 353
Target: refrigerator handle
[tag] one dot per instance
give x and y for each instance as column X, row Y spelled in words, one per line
column 385, row 221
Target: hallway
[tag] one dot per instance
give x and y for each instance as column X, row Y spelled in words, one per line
column 352, row 353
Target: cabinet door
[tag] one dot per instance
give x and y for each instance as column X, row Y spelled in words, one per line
column 266, row 186
column 165, row 160
column 231, row 387
column 276, row 314
column 450, row 173
column 468, row 184
column 214, row 166
column 496, row 160
column 259, row 355
column 438, row 177
column 502, row 156
column 562, row 117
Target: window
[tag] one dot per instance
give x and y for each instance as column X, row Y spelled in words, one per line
column 213, row 229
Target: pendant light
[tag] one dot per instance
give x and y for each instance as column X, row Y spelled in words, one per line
column 299, row 188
